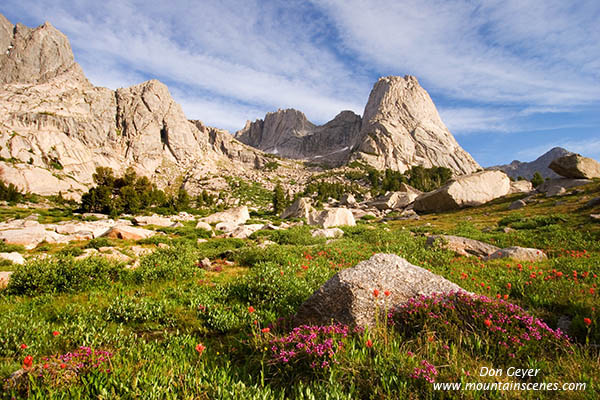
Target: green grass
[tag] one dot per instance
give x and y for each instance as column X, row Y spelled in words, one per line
column 152, row 318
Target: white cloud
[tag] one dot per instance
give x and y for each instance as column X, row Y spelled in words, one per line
column 542, row 52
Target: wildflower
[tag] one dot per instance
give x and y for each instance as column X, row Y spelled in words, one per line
column 45, row 366
column 23, row 346
column 200, row 348
column 505, row 297
column 28, row 362
column 375, row 292
column 63, row 365
column 592, row 290
column 487, row 323
column 369, row 343
column 587, row 321
column 265, row 330
column 508, row 286
column 251, row 309
column 387, row 293
column 55, row 333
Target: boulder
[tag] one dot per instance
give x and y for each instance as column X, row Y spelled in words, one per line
column 203, row 225
column 141, row 251
column 348, row 200
column 554, row 191
column 128, row 233
column 595, row 217
column 153, row 220
column 331, row 217
column 348, row 297
column 13, row 257
column 237, row 216
column 462, row 246
column 329, row 233
column 566, row 183
column 518, row 254
column 300, row 208
column 226, row 227
column 576, row 166
column 394, row 200
column 522, row 186
column 465, row 191
column 83, row 229
column 243, row 231
column 31, row 236
column 515, row 205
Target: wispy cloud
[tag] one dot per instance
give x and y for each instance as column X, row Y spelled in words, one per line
column 542, row 52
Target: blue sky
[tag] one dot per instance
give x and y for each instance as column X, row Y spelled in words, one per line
column 510, row 78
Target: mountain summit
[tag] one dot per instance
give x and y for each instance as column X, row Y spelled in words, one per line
column 400, row 128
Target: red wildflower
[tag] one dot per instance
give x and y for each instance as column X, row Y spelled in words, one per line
column 23, row 346
column 200, row 348
column 387, row 293
column 251, row 309
column 592, row 290
column 369, row 343
column 63, row 365
column 505, row 297
column 265, row 330
column 56, row 333
column 28, row 362
column 487, row 323
column 305, row 267
column 587, row 321
column 375, row 292
column 45, row 366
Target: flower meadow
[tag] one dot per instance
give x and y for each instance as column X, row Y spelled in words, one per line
column 170, row 329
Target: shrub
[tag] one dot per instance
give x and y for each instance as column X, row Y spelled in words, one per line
column 175, row 262
column 508, row 331
column 537, row 179
column 62, row 274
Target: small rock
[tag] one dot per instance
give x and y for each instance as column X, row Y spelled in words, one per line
column 205, row 263
column 515, row 205
column 13, row 257
column 595, row 217
column 462, row 246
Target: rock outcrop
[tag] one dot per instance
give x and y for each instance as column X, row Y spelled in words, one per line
column 235, row 216
column 402, row 128
column 301, row 208
column 288, row 133
column 56, row 127
column 465, row 191
column 332, row 217
column 527, row 169
column 348, row 298
column 576, row 166
column 518, row 254
column 462, row 246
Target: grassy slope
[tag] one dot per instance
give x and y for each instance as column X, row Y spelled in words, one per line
column 152, row 318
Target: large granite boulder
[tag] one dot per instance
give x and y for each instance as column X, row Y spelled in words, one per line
column 153, row 220
column 126, row 232
column 553, row 186
column 32, row 235
column 237, row 216
column 395, row 200
column 465, row 191
column 518, row 254
column 462, row 246
column 348, row 297
column 13, row 257
column 301, row 208
column 332, row 217
column 522, row 186
column 576, row 166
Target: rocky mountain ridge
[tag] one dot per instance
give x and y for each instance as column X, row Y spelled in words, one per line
column 56, row 128
column 400, row 128
column 528, row 169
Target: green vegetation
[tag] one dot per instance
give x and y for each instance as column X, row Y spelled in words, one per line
column 171, row 329
column 128, row 194
column 280, row 202
column 537, row 179
column 10, row 193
